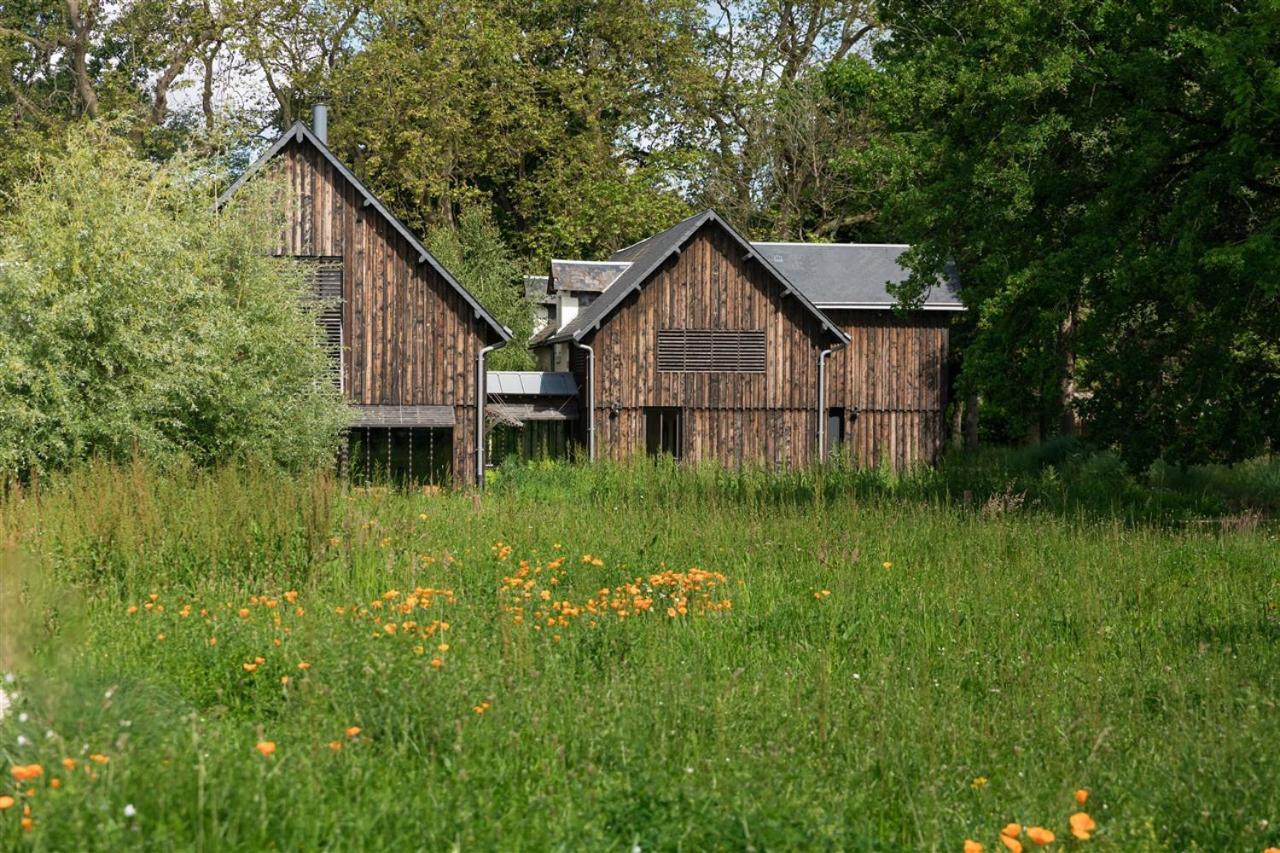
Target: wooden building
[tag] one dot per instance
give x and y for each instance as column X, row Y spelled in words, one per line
column 701, row 349
column 887, row 392
column 705, row 346
column 409, row 339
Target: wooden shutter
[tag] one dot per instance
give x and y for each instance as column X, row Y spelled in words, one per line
column 324, row 276
column 711, row 350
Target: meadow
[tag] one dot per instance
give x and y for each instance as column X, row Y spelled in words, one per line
column 642, row 658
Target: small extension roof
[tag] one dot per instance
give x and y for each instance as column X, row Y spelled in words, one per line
column 300, row 132
column 854, row 275
column 648, row 255
column 531, row 383
column 585, row 276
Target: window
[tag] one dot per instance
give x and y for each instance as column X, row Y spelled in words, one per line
column 663, row 431
column 835, row 431
column 711, row 350
column 324, row 276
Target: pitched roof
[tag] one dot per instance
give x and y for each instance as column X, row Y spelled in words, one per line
column 648, row 255
column 585, row 276
column 854, row 275
column 300, row 133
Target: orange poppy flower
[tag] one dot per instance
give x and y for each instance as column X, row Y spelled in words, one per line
column 335, row 745
column 1040, row 835
column 249, row 667
column 304, row 666
column 266, row 747
column 27, row 823
column 244, row 613
column 353, row 731
column 55, row 783
column 6, row 802
column 99, row 758
column 26, row 772
column 1012, row 830
column 1082, row 796
column 1013, row 844
column 971, row 846
column 1082, row 826
column 437, row 663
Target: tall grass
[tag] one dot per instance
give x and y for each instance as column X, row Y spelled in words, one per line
column 1039, row 649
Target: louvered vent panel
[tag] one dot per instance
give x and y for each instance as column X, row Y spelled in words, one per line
column 324, row 276
column 711, row 350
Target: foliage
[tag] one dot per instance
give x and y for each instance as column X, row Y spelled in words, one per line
column 1104, row 177
column 478, row 257
column 966, row 670
column 136, row 319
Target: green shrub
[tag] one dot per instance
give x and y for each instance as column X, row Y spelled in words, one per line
column 136, row 319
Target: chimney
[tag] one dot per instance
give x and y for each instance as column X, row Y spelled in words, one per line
column 320, row 122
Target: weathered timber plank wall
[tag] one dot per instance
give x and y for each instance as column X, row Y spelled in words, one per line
column 729, row 417
column 895, row 374
column 411, row 339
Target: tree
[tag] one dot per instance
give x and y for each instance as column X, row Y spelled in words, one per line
column 135, row 319
column 1106, row 179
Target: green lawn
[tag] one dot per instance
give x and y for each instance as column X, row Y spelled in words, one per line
column 968, row 668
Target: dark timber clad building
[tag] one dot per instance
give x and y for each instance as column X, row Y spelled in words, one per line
column 410, row 339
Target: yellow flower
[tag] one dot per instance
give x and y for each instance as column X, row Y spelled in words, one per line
column 304, row 666
column 159, row 638
column 266, row 747
column 444, row 647
column 888, row 565
column 979, row 783
column 249, row 667
column 1039, row 835
column 284, row 679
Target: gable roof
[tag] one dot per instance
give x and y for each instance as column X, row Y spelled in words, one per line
column 854, row 275
column 648, row 255
column 300, row 133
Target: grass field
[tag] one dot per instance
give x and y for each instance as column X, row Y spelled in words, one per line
column 629, row 659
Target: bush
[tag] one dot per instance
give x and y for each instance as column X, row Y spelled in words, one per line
column 136, row 319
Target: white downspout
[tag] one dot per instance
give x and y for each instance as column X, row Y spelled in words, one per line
column 591, row 399
column 482, row 397
column 822, row 407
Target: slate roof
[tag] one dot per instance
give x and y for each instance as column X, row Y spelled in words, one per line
column 529, row 383
column 648, row 255
column 585, row 276
column 853, row 275
column 300, row 132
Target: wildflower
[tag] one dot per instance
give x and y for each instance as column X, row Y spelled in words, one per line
column 304, row 666
column 1011, row 830
column 99, row 758
column 971, row 846
column 437, row 663
column 444, row 647
column 55, row 783
column 291, row 596
column 26, row 772
column 243, row 613
column 352, row 731
column 266, row 747
column 69, row 763
column 284, row 679
column 1082, row 826
column 979, row 783
column 6, row 802
column 888, row 565
column 129, row 810
column 249, row 667
column 422, row 516
column 213, row 641
column 27, row 823
column 1013, row 845
column 335, row 745
column 419, row 650
column 1082, row 796
column 133, row 608
column 1039, row 835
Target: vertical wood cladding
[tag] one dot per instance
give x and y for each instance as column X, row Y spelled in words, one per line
column 894, row 373
column 730, row 417
column 411, row 338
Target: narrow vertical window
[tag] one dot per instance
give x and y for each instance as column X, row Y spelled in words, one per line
column 663, row 431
